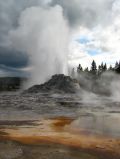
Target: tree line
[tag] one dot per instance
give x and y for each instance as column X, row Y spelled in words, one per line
column 98, row 70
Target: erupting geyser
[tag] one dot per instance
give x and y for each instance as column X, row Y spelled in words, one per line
column 43, row 34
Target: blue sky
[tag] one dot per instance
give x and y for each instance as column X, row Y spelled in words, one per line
column 83, row 40
column 93, row 52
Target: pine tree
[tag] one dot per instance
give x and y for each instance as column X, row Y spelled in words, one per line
column 79, row 68
column 105, row 67
column 100, row 69
column 116, row 65
column 94, row 67
column 117, row 68
column 110, row 68
column 102, row 66
column 86, row 69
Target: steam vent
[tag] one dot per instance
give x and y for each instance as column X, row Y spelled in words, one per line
column 58, row 83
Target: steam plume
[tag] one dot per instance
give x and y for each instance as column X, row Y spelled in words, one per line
column 43, row 34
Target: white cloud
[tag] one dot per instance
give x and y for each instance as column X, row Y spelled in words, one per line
column 105, row 39
column 77, row 54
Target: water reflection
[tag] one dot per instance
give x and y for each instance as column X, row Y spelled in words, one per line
column 105, row 124
column 93, row 114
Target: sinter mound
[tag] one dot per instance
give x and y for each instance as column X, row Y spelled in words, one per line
column 58, row 83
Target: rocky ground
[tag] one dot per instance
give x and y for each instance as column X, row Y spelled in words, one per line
column 12, row 150
column 51, row 121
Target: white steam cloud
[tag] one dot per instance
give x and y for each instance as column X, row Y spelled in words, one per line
column 86, row 13
column 43, row 34
column 97, row 91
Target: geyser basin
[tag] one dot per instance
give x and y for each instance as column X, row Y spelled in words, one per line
column 81, row 127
